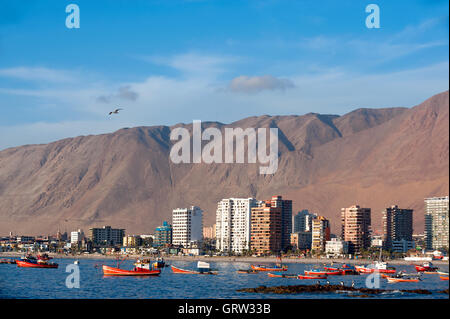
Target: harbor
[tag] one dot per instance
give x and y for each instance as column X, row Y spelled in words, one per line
column 228, row 282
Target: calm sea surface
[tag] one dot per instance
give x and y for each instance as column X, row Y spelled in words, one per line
column 50, row 283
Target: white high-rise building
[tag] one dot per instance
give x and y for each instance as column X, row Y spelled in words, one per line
column 187, row 226
column 233, row 218
column 436, row 222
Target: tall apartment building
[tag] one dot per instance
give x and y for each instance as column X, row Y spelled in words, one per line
column 266, row 229
column 320, row 233
column 163, row 235
column 356, row 223
column 303, row 221
column 436, row 222
column 106, row 236
column 233, row 218
column 286, row 219
column 397, row 225
column 187, row 226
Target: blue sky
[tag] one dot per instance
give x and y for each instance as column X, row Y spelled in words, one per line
column 167, row 62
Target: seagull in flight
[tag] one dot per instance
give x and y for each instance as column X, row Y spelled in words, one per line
column 116, row 111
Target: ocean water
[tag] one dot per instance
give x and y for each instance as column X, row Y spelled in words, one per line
column 51, row 283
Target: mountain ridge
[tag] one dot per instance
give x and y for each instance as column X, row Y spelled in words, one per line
column 371, row 157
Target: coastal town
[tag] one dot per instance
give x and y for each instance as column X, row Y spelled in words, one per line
column 247, row 227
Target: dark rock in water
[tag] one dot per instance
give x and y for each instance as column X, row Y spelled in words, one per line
column 297, row 289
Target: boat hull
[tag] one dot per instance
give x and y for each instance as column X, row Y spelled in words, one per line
column 443, row 278
column 111, row 271
column 311, row 277
column 426, row 269
column 281, row 275
column 364, row 270
column 26, row 264
column 322, row 273
column 177, row 270
column 394, row 280
column 262, row 268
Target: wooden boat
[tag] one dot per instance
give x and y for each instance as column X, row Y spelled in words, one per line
column 380, row 267
column 395, row 279
column 344, row 270
column 317, row 272
column 7, row 261
column 443, row 278
column 278, row 275
column 177, row 270
column 247, row 271
column 265, row 268
column 137, row 271
column 35, row 264
column 311, row 277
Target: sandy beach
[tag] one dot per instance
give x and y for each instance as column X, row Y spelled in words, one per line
column 229, row 259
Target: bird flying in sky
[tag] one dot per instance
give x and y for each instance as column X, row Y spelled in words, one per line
column 116, row 111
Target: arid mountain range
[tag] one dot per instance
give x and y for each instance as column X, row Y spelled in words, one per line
column 371, row 157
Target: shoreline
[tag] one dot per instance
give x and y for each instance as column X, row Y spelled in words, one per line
column 231, row 259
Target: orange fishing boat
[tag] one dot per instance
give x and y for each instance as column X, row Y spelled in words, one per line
column 443, row 278
column 395, row 279
column 265, row 268
column 137, row 271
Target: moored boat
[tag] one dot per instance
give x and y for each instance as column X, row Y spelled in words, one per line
column 203, row 269
column 344, row 270
column 7, row 261
column 378, row 266
column 426, row 267
column 318, row 272
column 266, row 268
column 33, row 264
column 279, row 275
column 444, row 277
column 311, row 277
column 400, row 279
column 137, row 271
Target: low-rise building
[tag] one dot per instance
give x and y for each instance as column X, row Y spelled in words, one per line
column 336, row 248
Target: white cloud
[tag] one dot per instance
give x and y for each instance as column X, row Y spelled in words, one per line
column 37, row 74
column 255, row 84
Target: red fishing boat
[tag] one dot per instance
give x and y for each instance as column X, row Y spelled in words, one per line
column 318, row 272
column 311, row 277
column 137, row 271
column 380, row 267
column 344, row 270
column 31, row 262
column 443, row 278
column 426, row 267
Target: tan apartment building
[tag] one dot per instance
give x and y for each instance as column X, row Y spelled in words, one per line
column 356, row 223
column 320, row 233
column 265, row 235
